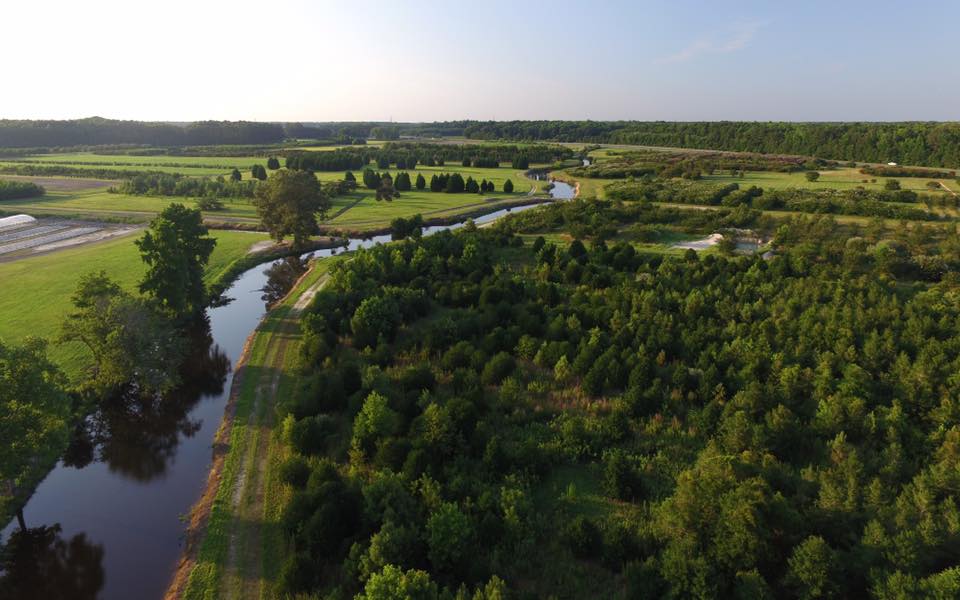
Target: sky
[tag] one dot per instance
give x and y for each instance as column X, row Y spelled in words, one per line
column 434, row 60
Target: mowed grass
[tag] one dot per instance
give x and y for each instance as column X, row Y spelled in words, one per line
column 361, row 210
column 35, row 291
column 188, row 165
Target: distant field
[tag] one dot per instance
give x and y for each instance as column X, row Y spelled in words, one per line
column 842, row 179
column 101, row 204
column 38, row 302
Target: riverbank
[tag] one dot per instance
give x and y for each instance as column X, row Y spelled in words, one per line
column 232, row 510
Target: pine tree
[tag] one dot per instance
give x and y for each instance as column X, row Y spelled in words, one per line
column 421, row 182
column 370, row 179
column 272, row 163
column 235, row 175
column 348, row 176
column 466, row 161
column 471, row 185
column 508, row 187
column 455, row 184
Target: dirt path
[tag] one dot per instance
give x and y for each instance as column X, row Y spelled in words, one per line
column 241, row 575
column 944, row 186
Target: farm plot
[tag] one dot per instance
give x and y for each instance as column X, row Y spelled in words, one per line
column 43, row 235
column 27, row 232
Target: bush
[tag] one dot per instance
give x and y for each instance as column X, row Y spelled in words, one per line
column 295, row 472
column 583, row 538
column 13, row 190
column 499, row 367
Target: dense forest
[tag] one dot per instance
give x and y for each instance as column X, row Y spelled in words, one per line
column 916, row 143
column 482, row 413
column 97, row 131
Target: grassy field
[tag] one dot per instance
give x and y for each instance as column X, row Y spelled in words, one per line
column 367, row 213
column 101, row 204
column 841, row 179
column 242, row 547
column 40, row 298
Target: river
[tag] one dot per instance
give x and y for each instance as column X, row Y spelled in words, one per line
column 110, row 513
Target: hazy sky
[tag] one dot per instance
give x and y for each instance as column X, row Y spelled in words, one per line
column 488, row 59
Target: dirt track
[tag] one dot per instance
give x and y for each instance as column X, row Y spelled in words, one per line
column 241, row 576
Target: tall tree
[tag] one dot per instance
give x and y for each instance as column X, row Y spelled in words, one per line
column 35, row 412
column 235, row 175
column 387, row 191
column 176, row 249
column 129, row 342
column 272, row 163
column 289, row 203
column 421, row 182
column 455, row 184
column 508, row 186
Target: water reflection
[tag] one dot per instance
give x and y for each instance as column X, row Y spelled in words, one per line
column 137, row 434
column 37, row 563
column 281, row 277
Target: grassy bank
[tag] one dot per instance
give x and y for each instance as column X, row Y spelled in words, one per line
column 238, row 546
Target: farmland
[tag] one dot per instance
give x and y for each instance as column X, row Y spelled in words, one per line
column 49, row 281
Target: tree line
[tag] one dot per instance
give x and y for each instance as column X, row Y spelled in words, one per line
column 98, row 131
column 451, row 183
column 934, row 144
column 13, row 190
column 172, row 184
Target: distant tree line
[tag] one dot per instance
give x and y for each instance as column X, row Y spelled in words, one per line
column 897, row 171
column 13, row 190
column 870, row 203
column 96, row 131
column 43, row 170
column 917, row 143
column 692, row 166
column 451, row 183
column 172, row 184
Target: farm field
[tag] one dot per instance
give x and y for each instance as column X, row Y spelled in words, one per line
column 36, row 305
column 100, row 204
column 841, row 179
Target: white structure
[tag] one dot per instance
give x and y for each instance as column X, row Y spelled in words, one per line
column 16, row 221
column 891, row 164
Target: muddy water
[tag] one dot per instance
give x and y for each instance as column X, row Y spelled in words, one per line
column 111, row 511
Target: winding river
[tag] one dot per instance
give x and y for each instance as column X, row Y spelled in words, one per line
column 111, row 511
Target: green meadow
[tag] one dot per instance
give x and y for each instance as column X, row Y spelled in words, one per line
column 37, row 304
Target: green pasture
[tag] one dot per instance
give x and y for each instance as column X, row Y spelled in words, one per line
column 40, row 297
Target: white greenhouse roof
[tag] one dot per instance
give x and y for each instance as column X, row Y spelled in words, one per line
column 16, row 221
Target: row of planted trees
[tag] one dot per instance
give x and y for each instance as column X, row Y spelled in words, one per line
column 453, row 183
